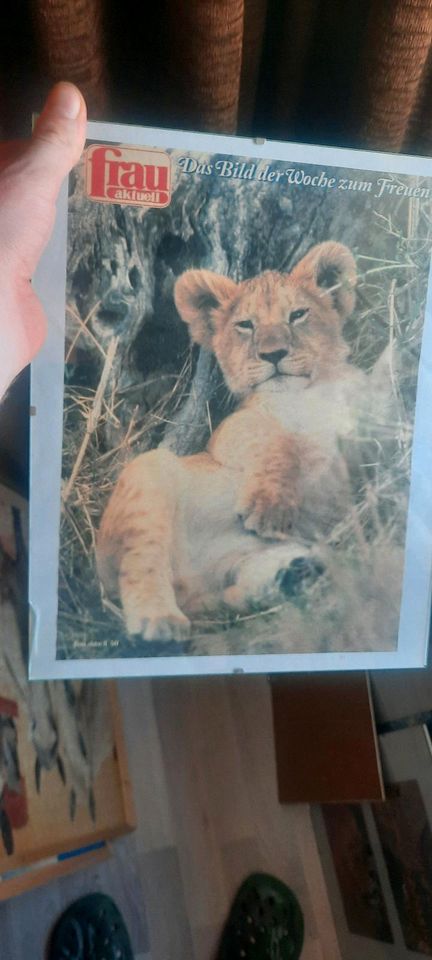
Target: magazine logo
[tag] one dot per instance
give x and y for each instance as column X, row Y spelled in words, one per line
column 128, row 175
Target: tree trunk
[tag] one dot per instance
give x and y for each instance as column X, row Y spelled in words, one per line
column 123, row 263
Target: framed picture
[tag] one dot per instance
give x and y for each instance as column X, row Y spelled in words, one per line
column 377, row 858
column 63, row 768
column 234, row 394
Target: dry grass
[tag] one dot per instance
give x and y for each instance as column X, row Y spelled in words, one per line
column 88, row 618
column 355, row 606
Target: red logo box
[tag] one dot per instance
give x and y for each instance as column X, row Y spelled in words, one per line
column 137, row 176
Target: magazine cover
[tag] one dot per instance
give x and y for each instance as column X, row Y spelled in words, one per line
column 231, row 457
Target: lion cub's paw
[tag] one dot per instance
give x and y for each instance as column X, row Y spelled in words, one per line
column 301, row 574
column 159, row 625
column 267, row 518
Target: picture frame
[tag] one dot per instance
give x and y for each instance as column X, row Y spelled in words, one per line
column 162, row 230
column 387, row 892
column 64, row 783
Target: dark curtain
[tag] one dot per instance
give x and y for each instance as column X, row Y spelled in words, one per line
column 348, row 72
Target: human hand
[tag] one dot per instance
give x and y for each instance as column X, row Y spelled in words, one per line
column 31, row 173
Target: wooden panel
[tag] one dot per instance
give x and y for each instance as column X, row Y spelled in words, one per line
column 217, row 748
column 201, row 759
column 50, row 828
column 64, row 769
column 326, row 749
column 121, row 757
column 155, row 829
column 164, row 893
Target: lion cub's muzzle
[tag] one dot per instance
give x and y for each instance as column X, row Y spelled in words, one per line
column 274, row 356
column 273, row 345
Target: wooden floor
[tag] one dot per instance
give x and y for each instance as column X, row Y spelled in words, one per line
column 202, row 764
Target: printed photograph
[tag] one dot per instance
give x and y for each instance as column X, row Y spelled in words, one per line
column 60, row 765
column 406, row 840
column 356, row 871
column 241, row 366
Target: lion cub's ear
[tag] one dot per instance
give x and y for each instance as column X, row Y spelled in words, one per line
column 197, row 294
column 331, row 267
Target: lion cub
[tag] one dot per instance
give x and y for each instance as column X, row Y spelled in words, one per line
column 233, row 526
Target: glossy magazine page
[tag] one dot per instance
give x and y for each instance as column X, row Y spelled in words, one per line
column 231, row 457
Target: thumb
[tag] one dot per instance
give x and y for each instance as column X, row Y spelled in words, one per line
column 58, row 138
column 30, row 184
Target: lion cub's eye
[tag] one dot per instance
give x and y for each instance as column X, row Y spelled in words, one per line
column 245, row 325
column 297, row 315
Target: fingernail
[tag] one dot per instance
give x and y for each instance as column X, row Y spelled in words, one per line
column 66, row 101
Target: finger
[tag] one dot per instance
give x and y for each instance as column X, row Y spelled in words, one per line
column 58, row 138
column 23, row 328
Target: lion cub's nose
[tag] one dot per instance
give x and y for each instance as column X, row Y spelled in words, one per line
column 274, row 356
